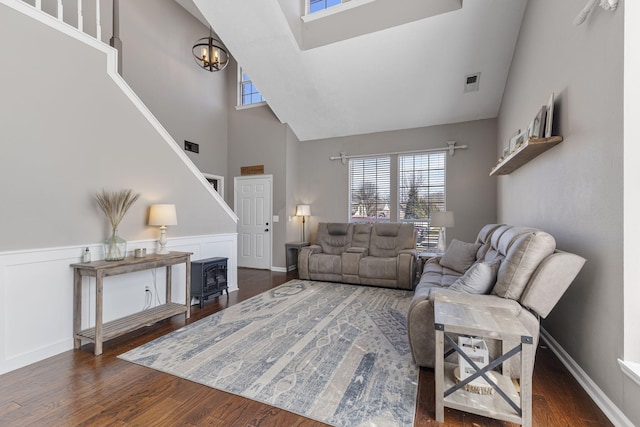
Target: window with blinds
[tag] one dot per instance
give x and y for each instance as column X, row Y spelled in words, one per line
column 369, row 189
column 421, row 190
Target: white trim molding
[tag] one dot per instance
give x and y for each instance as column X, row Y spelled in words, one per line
column 605, row 404
column 630, row 369
column 41, row 281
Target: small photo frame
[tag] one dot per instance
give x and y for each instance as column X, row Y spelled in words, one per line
column 508, row 148
column 548, row 127
column 517, row 140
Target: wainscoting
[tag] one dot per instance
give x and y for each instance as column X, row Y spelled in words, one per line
column 40, row 282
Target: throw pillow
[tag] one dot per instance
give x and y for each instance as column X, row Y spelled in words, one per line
column 460, row 255
column 478, row 279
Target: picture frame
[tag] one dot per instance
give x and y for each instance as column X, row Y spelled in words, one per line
column 509, row 147
column 536, row 128
column 517, row 140
column 548, row 126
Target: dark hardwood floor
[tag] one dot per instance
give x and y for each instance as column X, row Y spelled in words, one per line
column 76, row 388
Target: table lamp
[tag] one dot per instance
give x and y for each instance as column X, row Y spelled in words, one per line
column 163, row 215
column 442, row 220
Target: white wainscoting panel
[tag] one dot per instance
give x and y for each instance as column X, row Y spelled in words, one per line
column 36, row 293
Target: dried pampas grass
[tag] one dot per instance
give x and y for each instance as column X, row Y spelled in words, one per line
column 116, row 204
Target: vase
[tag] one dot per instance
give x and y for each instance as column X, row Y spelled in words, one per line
column 115, row 247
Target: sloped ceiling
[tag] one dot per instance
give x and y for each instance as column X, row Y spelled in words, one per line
column 406, row 76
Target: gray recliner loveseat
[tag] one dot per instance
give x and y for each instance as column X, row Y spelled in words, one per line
column 530, row 276
column 381, row 254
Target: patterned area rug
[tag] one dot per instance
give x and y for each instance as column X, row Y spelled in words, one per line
column 332, row 352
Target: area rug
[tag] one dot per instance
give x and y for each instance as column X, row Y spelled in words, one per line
column 331, row 352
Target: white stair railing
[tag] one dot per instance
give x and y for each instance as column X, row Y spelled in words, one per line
column 59, row 14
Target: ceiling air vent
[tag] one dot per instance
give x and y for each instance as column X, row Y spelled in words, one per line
column 471, row 82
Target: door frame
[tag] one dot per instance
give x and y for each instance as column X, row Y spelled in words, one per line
column 269, row 178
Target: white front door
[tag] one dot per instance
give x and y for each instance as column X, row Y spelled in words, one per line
column 252, row 204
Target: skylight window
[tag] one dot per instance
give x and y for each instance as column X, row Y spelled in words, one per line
column 318, row 5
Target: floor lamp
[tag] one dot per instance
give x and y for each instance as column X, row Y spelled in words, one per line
column 303, row 211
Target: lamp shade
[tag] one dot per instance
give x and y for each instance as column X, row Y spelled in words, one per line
column 442, row 219
column 163, row 215
column 303, row 210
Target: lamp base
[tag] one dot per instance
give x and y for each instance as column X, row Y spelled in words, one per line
column 442, row 245
column 163, row 241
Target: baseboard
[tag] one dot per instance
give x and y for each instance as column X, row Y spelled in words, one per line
column 279, row 269
column 603, row 402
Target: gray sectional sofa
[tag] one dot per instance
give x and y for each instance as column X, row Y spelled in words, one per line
column 529, row 273
column 381, row 254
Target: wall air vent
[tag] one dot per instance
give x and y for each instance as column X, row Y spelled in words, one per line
column 471, row 82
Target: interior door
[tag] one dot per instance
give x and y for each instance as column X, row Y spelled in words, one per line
column 252, row 204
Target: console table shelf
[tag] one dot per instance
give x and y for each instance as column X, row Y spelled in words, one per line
column 130, row 323
column 532, row 148
column 101, row 269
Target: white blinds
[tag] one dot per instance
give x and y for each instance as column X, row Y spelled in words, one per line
column 370, row 188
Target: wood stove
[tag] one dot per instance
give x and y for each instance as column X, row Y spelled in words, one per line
column 208, row 278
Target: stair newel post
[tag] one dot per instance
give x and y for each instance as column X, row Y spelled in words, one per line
column 80, row 19
column 98, row 26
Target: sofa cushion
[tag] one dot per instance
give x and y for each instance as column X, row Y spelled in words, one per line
column 460, row 255
column 338, row 228
column 478, row 279
column 379, row 268
column 361, row 235
column 434, row 274
column 387, row 240
column 325, row 263
column 523, row 250
column 484, row 238
column 334, row 238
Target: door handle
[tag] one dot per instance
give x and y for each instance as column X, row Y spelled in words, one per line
column 266, row 229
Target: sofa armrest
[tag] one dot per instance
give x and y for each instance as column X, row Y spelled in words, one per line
column 356, row 250
column 407, row 269
column 303, row 260
column 550, row 280
column 351, row 261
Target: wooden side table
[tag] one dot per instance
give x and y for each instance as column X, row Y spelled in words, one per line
column 453, row 316
column 292, row 249
column 101, row 269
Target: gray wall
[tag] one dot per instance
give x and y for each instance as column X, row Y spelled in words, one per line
column 471, row 193
column 191, row 103
column 68, row 132
column 256, row 137
column 574, row 190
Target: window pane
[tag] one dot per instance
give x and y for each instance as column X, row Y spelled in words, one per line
column 422, row 191
column 317, row 5
column 248, row 92
column 369, row 192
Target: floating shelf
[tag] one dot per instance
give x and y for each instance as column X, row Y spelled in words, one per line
column 532, row 148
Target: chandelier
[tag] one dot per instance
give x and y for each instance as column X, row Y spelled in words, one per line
column 210, row 53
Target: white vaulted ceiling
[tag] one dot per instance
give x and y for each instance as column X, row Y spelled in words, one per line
column 403, row 74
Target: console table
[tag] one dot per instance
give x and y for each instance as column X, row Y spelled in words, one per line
column 101, row 269
column 455, row 316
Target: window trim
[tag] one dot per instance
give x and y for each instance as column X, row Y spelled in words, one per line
column 239, row 104
column 344, row 6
